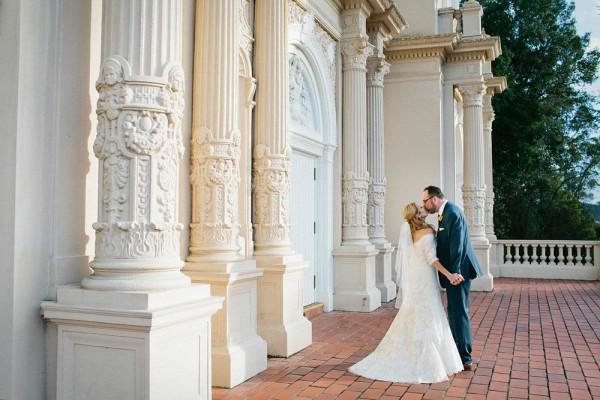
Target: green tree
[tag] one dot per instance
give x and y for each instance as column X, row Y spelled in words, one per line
column 546, row 148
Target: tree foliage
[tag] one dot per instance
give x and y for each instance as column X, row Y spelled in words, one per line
column 546, row 150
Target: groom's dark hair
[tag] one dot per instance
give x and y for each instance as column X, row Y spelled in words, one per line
column 434, row 191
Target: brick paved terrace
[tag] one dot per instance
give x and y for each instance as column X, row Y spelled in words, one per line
column 533, row 339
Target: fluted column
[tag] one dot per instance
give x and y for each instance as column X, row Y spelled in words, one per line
column 488, row 119
column 216, row 138
column 272, row 155
column 136, row 317
column 281, row 289
column 355, row 52
column 474, row 170
column 238, row 353
column 354, row 261
column 139, row 144
column 377, row 68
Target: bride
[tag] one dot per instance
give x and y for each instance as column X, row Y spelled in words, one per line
column 418, row 347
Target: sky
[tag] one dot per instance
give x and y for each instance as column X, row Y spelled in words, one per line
column 587, row 15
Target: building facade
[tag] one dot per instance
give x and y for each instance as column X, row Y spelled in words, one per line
column 182, row 178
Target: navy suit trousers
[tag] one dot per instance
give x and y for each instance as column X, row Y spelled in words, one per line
column 458, row 317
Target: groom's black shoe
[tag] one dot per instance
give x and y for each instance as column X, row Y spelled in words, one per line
column 468, row 367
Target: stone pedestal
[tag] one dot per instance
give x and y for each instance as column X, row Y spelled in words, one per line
column 354, row 279
column 280, row 295
column 238, row 353
column 383, row 272
column 132, row 345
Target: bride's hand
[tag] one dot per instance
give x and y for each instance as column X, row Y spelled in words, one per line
column 456, row 279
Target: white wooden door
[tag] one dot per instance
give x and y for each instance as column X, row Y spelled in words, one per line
column 302, row 217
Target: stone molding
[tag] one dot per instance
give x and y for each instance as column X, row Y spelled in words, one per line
column 246, row 35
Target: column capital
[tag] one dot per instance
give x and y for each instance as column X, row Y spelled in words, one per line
column 472, row 93
column 377, row 68
column 355, row 52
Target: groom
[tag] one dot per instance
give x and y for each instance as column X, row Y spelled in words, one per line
column 456, row 253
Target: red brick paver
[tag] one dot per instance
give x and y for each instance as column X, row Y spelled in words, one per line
column 533, row 339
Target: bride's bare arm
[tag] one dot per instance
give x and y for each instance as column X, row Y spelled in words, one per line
column 454, row 279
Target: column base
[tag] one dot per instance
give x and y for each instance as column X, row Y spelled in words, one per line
column 383, row 272
column 132, row 345
column 483, row 283
column 281, row 320
column 234, row 364
column 238, row 353
column 354, row 279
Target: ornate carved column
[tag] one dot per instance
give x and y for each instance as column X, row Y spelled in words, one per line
column 488, row 119
column 215, row 257
column 474, row 177
column 474, row 170
column 139, row 144
column 281, row 320
column 377, row 68
column 355, row 52
column 108, row 327
column 354, row 261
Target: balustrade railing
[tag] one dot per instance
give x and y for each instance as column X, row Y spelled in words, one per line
column 550, row 259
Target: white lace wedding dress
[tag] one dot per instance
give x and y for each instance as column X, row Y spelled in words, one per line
column 418, row 347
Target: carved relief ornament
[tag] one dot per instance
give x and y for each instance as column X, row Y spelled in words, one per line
column 355, row 52
column 139, row 143
column 215, row 180
column 271, row 190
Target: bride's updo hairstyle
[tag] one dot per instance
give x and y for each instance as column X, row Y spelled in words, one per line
column 411, row 215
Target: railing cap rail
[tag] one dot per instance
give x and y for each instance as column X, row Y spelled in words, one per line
column 552, row 242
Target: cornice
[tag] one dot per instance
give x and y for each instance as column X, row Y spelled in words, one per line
column 391, row 19
column 420, row 47
column 364, row 5
column 497, row 84
column 488, row 47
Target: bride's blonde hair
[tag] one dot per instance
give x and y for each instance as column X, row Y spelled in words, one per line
column 411, row 215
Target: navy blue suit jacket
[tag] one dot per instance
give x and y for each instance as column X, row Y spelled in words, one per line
column 454, row 248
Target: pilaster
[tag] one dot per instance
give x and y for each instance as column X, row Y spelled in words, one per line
column 238, row 353
column 354, row 262
column 136, row 328
column 281, row 320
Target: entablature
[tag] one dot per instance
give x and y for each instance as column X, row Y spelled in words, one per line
column 411, row 47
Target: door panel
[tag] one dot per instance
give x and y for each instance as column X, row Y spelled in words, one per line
column 302, row 216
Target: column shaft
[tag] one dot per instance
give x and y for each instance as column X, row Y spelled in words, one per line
column 474, row 171
column 354, row 153
column 377, row 68
column 488, row 119
column 272, row 155
column 216, row 138
column 139, row 144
